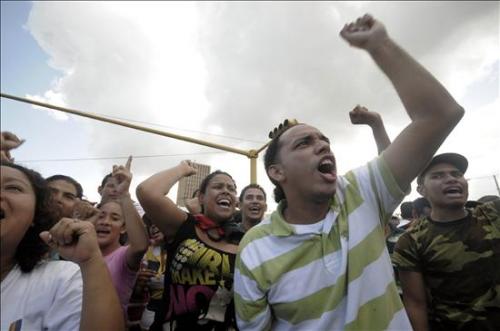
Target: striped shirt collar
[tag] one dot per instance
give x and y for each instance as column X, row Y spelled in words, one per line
column 281, row 228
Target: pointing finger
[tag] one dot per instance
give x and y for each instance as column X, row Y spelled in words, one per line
column 129, row 163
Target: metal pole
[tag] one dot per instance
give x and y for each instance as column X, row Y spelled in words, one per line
column 496, row 183
column 253, row 155
column 263, row 147
column 128, row 125
column 253, row 170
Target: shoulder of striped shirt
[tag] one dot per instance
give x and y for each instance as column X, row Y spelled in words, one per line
column 342, row 182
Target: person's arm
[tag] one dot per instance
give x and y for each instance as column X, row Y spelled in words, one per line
column 361, row 115
column 76, row 241
column 432, row 110
column 84, row 209
column 8, row 141
column 136, row 231
column 152, row 194
column 414, row 298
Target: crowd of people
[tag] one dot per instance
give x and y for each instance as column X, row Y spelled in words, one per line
column 324, row 260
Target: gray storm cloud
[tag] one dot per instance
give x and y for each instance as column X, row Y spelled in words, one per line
column 258, row 63
column 268, row 61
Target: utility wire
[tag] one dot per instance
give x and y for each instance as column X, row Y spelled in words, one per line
column 115, row 157
column 484, row 176
column 159, row 155
column 187, row 130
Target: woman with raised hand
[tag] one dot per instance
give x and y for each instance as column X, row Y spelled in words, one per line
column 37, row 294
column 115, row 218
column 199, row 276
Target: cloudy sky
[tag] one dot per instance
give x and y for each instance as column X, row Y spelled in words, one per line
column 228, row 72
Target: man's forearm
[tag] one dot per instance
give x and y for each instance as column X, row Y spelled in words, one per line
column 418, row 316
column 380, row 135
column 422, row 95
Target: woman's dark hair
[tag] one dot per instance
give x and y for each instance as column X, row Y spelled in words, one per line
column 72, row 181
column 31, row 248
column 206, row 180
column 270, row 158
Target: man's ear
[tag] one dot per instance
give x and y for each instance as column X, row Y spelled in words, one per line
column 421, row 190
column 99, row 190
column 276, row 173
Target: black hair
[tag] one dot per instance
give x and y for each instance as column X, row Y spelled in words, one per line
column 206, row 180
column 147, row 221
column 105, row 179
column 270, row 158
column 419, row 204
column 78, row 187
column 257, row 186
column 236, row 217
column 406, row 210
column 32, row 248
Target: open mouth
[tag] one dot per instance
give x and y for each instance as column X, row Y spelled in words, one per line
column 224, row 203
column 327, row 168
column 255, row 209
column 156, row 236
column 453, row 191
column 102, row 232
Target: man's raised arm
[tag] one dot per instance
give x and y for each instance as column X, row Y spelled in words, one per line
column 433, row 111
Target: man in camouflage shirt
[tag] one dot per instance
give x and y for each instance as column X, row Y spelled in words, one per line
column 449, row 262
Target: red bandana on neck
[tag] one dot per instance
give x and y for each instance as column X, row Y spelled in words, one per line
column 206, row 224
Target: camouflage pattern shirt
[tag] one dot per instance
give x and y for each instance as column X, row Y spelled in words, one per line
column 460, row 265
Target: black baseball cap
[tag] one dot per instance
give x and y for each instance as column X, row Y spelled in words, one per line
column 459, row 161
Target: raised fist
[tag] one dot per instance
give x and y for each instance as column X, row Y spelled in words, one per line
column 361, row 115
column 188, row 168
column 366, row 33
column 8, row 141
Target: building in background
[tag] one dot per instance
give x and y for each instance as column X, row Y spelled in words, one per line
column 187, row 185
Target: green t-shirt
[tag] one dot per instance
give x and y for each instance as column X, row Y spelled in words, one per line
column 460, row 264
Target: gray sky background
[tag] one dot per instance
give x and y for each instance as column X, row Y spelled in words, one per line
column 235, row 70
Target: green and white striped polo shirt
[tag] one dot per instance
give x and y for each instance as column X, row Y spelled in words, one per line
column 332, row 275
